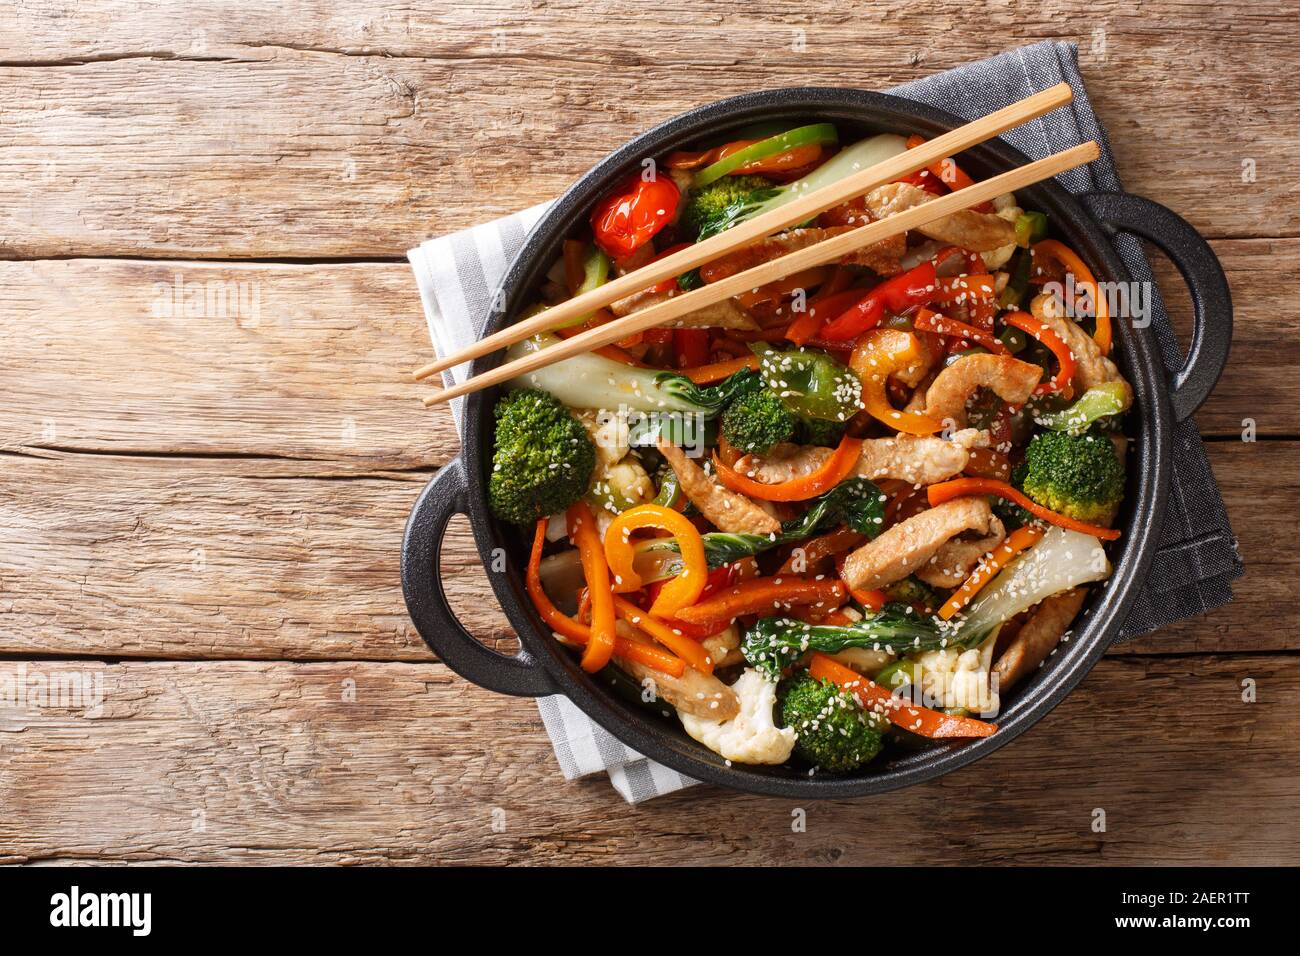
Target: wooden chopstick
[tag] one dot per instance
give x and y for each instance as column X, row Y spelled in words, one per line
column 829, row 250
column 796, row 211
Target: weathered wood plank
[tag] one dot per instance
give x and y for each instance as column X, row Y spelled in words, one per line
column 393, row 763
column 270, row 360
column 310, row 361
column 429, row 121
column 194, row 558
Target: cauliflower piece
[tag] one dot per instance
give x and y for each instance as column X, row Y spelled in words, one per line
column 752, row 735
column 1004, row 207
column 953, row 677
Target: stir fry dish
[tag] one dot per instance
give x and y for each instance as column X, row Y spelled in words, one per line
column 836, row 514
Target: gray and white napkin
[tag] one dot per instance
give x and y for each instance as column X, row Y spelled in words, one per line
column 1197, row 558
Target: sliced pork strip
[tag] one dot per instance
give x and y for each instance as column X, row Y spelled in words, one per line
column 1012, row 380
column 693, row 693
column 1091, row 367
column 907, row 546
column 1038, row 636
column 917, row 460
column 729, row 511
column 956, row 558
column 882, row 257
column 977, row 231
column 721, row 315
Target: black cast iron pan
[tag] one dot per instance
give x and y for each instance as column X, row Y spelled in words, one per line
column 1084, row 222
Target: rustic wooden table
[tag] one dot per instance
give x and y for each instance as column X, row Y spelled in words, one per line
column 201, row 505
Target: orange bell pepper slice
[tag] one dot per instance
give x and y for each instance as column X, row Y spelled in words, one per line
column 829, row 474
column 1060, row 382
column 1019, row 540
column 1084, row 280
column 684, row 647
column 962, row 487
column 579, row 633
column 879, row 354
column 764, row 596
column 683, row 590
column 919, row 720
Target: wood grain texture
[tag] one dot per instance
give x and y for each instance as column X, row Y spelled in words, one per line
column 310, row 361
column 185, row 558
column 203, row 505
column 273, row 763
column 184, row 130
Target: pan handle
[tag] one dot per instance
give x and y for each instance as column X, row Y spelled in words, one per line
column 1211, row 301
column 442, row 498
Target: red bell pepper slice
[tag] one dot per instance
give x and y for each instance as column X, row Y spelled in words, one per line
column 906, row 291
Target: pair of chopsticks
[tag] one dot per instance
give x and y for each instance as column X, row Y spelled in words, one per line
column 795, row 211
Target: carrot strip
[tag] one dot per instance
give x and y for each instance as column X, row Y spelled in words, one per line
column 961, row 487
column 761, row 595
column 764, row 594
column 684, row 647
column 1060, row 382
column 829, row 474
column 989, row 565
column 717, row 371
column 582, row 531
column 1083, row 279
column 818, row 549
column 919, row 720
column 871, row 600
column 562, row 624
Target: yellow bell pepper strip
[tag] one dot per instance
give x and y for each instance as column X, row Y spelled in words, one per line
column 681, row 591
column 1022, row 538
column 1083, row 279
column 879, row 354
column 827, row 475
column 919, row 720
column 1060, row 382
column 962, row 487
column 691, row 651
column 582, row 531
column 579, row 633
column 764, row 596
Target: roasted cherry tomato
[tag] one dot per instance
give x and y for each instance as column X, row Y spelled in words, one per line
column 625, row 220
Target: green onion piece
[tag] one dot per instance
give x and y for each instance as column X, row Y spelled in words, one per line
column 595, row 273
column 814, row 135
column 1030, row 228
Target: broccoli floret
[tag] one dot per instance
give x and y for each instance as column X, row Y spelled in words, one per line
column 914, row 593
column 543, row 460
column 756, row 421
column 1076, row 475
column 817, row 431
column 713, row 208
column 835, row 732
